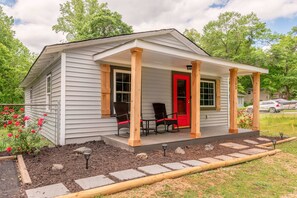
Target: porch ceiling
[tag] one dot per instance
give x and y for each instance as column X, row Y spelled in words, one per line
column 163, row 57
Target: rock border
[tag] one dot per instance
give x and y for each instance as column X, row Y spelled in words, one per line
column 122, row 186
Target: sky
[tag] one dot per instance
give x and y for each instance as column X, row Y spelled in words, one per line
column 34, row 18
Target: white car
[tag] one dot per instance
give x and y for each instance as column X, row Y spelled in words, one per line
column 268, row 106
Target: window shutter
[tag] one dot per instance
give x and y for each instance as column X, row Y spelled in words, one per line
column 218, row 95
column 105, row 90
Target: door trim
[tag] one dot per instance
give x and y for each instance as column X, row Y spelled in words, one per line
column 172, row 95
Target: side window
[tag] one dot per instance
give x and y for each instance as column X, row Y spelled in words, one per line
column 207, row 93
column 48, row 92
column 122, row 86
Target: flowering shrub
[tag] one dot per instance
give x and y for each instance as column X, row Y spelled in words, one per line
column 21, row 138
column 244, row 119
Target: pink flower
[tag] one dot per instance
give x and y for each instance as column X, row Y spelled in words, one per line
column 9, row 122
column 40, row 121
column 44, row 114
column 26, row 118
column 6, row 108
column 33, row 131
column 5, row 125
column 8, row 149
column 17, row 136
column 9, row 134
column 17, row 123
column 22, row 109
column 15, row 116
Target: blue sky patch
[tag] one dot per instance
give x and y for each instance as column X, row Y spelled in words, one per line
column 9, row 3
column 282, row 25
column 220, row 4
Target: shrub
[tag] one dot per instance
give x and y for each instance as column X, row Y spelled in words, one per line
column 21, row 138
column 244, row 119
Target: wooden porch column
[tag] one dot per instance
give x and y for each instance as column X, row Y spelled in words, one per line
column 195, row 100
column 233, row 101
column 136, row 62
column 256, row 101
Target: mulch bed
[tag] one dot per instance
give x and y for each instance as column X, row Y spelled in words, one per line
column 106, row 159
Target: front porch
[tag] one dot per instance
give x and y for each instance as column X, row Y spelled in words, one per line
column 182, row 138
column 207, row 101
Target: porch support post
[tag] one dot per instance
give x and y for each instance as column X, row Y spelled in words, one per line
column 233, row 101
column 136, row 62
column 195, row 100
column 256, row 101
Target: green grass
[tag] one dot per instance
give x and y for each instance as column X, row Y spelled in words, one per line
column 273, row 124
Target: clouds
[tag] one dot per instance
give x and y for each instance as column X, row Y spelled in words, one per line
column 37, row 17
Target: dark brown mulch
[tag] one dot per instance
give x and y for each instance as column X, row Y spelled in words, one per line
column 105, row 159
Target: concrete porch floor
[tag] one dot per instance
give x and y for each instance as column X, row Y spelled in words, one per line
column 175, row 139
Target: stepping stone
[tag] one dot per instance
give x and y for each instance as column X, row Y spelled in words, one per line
column 48, row 191
column 251, row 141
column 127, row 174
column 234, row 145
column 223, row 157
column 193, row 162
column 238, row 155
column 209, row 160
column 252, row 151
column 175, row 166
column 153, row 169
column 93, row 182
column 264, row 139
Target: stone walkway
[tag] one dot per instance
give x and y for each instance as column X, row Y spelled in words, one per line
column 124, row 175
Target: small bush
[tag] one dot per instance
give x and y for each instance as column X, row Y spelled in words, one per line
column 244, row 119
column 21, row 138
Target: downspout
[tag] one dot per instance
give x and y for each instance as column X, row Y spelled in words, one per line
column 63, row 94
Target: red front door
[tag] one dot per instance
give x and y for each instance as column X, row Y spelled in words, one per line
column 181, row 99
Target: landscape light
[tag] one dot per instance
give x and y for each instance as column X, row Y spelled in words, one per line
column 281, row 134
column 164, row 146
column 87, row 155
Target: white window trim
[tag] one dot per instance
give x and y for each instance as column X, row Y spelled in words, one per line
column 48, row 99
column 214, row 93
column 115, row 71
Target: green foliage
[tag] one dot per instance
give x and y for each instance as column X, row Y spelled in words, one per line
column 18, row 138
column 283, row 61
column 86, row 19
column 235, row 37
column 244, row 119
column 15, row 60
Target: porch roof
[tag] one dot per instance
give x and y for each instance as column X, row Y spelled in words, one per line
column 164, row 57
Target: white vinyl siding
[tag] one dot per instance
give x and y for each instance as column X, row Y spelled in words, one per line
column 38, row 91
column 83, row 120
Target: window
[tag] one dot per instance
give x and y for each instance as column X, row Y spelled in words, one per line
column 207, row 93
column 122, row 86
column 48, row 92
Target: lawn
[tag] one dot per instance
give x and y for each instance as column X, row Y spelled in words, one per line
column 273, row 176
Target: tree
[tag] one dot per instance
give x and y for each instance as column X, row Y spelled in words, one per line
column 86, row 19
column 283, row 61
column 234, row 37
column 15, row 60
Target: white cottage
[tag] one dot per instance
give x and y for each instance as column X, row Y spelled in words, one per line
column 82, row 80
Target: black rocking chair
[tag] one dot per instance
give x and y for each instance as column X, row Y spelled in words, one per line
column 162, row 117
column 123, row 116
